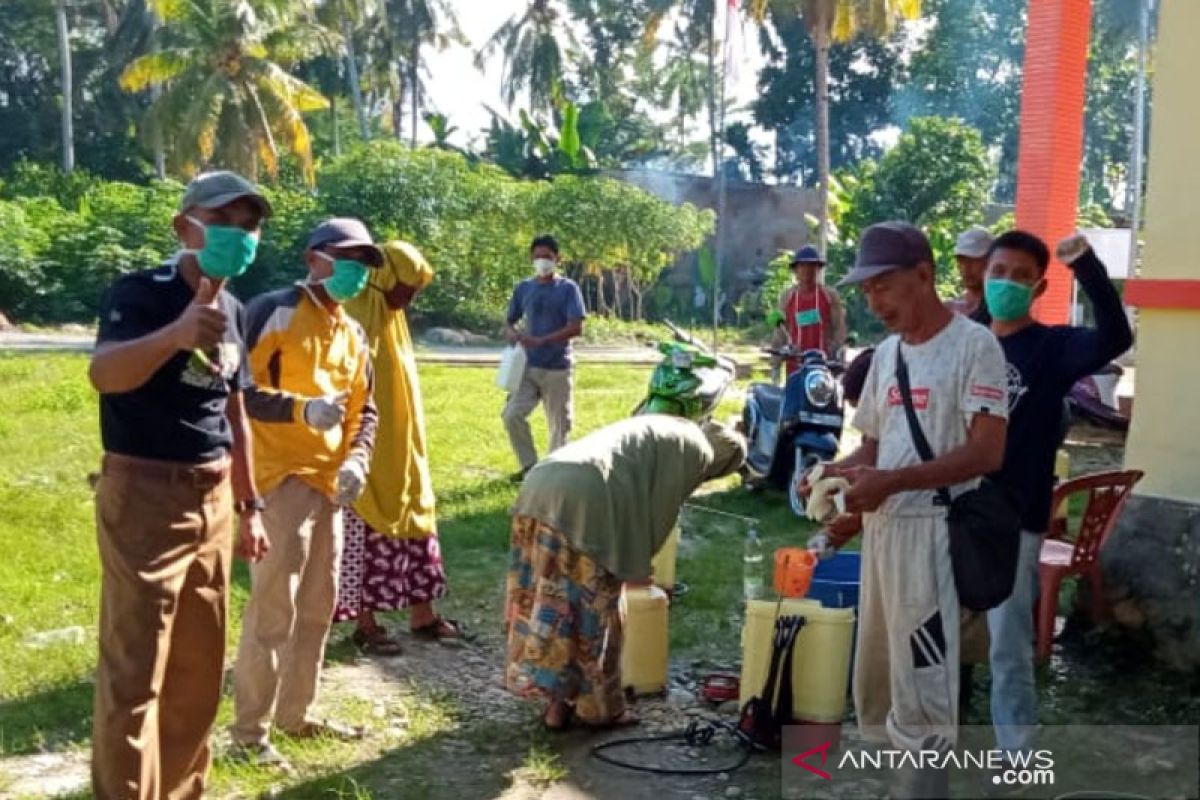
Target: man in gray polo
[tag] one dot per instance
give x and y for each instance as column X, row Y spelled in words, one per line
column 551, row 307
column 906, row 672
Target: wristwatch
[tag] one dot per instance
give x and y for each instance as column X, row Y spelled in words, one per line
column 256, row 504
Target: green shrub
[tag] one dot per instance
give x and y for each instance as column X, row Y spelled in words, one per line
column 473, row 222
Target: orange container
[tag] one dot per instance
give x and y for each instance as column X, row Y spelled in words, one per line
column 793, row 571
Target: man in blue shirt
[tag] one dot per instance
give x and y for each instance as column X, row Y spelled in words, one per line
column 1044, row 362
column 551, row 307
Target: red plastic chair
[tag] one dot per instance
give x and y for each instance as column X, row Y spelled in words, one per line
column 1107, row 493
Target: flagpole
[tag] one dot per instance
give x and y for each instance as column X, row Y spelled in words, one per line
column 719, row 169
column 1145, row 8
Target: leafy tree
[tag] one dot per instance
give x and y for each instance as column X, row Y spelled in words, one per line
column 970, row 67
column 938, row 176
column 1111, row 100
column 227, row 100
column 862, row 75
column 829, row 22
column 608, row 226
column 613, row 33
column 30, row 96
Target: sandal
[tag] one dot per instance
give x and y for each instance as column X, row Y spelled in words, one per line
column 443, row 628
column 376, row 643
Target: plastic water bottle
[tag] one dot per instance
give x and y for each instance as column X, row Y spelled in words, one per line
column 752, row 565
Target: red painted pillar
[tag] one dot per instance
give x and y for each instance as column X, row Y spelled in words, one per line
column 1051, row 143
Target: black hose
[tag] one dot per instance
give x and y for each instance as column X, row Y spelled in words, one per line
column 699, row 733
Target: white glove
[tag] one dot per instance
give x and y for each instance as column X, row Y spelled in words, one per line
column 351, row 480
column 324, row 413
column 820, row 545
column 1071, row 248
column 827, row 498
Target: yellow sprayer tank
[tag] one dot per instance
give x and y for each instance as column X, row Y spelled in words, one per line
column 820, row 666
column 663, row 563
column 644, row 647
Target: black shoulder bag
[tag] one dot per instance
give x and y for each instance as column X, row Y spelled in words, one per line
column 984, row 523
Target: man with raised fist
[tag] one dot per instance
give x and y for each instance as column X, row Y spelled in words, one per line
column 170, row 366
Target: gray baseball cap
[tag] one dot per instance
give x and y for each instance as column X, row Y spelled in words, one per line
column 344, row 233
column 220, row 188
column 973, row 243
column 886, row 246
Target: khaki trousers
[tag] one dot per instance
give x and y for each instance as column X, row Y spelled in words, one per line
column 164, row 535
column 553, row 388
column 906, row 669
column 287, row 620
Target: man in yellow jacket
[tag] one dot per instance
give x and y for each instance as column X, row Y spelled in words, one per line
column 314, row 426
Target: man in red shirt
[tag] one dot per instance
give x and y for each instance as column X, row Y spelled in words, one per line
column 813, row 315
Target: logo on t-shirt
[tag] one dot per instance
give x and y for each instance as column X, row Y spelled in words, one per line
column 987, row 392
column 212, row 370
column 1016, row 386
column 920, row 397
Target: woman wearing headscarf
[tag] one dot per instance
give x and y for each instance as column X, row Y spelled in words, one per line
column 590, row 517
column 391, row 559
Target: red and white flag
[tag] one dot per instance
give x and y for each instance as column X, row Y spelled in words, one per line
column 732, row 43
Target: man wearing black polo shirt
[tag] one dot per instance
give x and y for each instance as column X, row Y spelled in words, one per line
column 170, row 367
column 1044, row 361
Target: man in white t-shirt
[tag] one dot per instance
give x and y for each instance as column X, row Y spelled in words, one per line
column 906, row 672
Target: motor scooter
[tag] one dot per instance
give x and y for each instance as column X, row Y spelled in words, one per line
column 689, row 382
column 791, row 428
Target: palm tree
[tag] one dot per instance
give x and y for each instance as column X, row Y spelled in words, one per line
column 829, row 22
column 421, row 23
column 532, row 44
column 400, row 30
column 682, row 85
column 64, row 55
column 695, row 33
column 227, row 100
column 345, row 17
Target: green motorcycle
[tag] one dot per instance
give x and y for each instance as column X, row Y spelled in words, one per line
column 690, row 380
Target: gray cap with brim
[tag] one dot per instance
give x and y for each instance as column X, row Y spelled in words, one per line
column 346, row 233
column 216, row 189
column 888, row 246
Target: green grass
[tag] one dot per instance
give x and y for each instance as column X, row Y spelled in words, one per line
column 543, row 766
column 49, row 576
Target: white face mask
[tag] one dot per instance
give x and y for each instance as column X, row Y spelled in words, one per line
column 544, row 266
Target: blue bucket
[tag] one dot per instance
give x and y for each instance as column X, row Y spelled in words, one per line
column 835, row 581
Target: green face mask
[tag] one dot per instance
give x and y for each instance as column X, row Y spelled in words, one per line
column 1007, row 300
column 349, row 278
column 228, row 250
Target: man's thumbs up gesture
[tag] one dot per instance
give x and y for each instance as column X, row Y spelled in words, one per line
column 202, row 324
